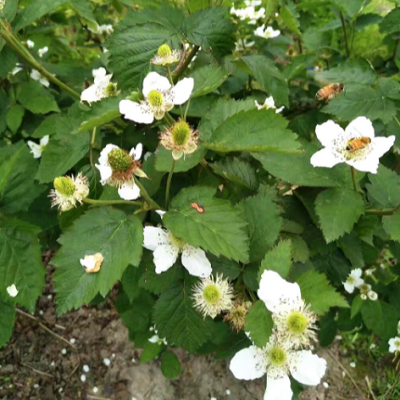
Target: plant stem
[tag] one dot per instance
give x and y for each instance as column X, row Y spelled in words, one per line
column 92, row 145
column 145, row 195
column 111, row 202
column 168, row 119
column 383, row 212
column 186, row 109
column 353, row 178
column 345, row 34
column 169, row 183
column 169, row 74
column 180, row 70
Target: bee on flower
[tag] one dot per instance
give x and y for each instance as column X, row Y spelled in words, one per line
column 166, row 56
column 68, row 191
column 102, row 87
column 159, row 98
column 118, row 167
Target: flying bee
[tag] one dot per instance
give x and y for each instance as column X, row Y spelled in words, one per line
column 329, row 92
column 200, row 209
column 358, row 143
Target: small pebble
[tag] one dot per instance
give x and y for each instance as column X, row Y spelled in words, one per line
column 95, row 390
column 40, row 312
column 228, row 392
column 53, row 364
column 106, row 362
column 86, row 368
column 83, row 378
column 352, row 364
column 113, row 355
column 49, row 296
column 72, row 340
column 36, row 385
column 343, row 374
column 325, row 385
column 60, row 390
column 133, row 360
column 64, row 351
column 213, row 398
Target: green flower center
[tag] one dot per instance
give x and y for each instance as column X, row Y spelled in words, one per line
column 164, row 51
column 350, row 280
column 277, row 356
column 111, row 90
column 297, row 322
column 119, row 160
column 155, row 98
column 180, row 133
column 212, row 294
column 64, row 185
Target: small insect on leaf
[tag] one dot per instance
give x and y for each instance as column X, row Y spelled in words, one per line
column 200, row 209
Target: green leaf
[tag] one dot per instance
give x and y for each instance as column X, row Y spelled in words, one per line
column 228, row 268
column 279, row 259
column 384, row 187
column 350, row 7
column 35, row 98
column 10, row 10
column 259, row 324
column 289, row 20
column 211, row 29
column 82, row 7
column 196, row 5
column 130, row 282
column 207, row 79
column 317, row 292
column 164, row 160
column 300, row 251
column 238, row 171
column 150, row 352
column 8, row 60
column 351, row 246
column 21, row 261
column 338, row 210
column 327, row 330
column 61, row 154
column 170, row 365
column 14, row 117
column 219, row 230
column 8, row 162
column 149, row 167
column 356, row 306
column 271, row 7
column 391, row 22
column 268, row 76
column 7, row 312
column 371, row 312
column 177, row 320
column 254, row 130
column 391, row 224
column 264, row 223
column 104, row 230
column 297, row 169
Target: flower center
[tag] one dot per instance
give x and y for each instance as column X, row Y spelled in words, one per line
column 180, row 133
column 111, row 90
column 64, row 185
column 297, row 322
column 164, row 51
column 277, row 356
column 155, row 98
column 119, row 160
column 212, row 294
column 178, row 242
column 397, row 343
column 350, row 280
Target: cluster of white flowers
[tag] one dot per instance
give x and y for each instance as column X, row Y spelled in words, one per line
column 338, row 145
column 268, row 103
column 249, row 13
column 354, row 280
column 287, row 351
column 102, row 87
column 102, row 29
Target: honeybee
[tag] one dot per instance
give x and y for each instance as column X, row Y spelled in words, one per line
column 200, row 209
column 358, row 143
column 329, row 92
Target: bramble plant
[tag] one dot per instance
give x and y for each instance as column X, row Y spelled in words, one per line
column 176, row 150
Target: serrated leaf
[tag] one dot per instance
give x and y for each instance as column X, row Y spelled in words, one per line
column 14, row 117
column 21, row 261
column 391, row 224
column 9, row 157
column 150, row 352
column 82, row 7
column 219, row 230
column 207, row 79
column 170, row 365
column 391, row 22
column 371, row 312
column 356, row 306
column 279, row 259
column 317, row 292
column 177, row 320
column 289, row 20
column 271, row 7
column 149, row 167
column 107, row 231
column 61, row 154
column 300, row 251
column 264, row 223
column 228, row 268
column 130, row 282
column 164, row 160
column 338, row 210
column 35, row 98
column 7, row 312
column 259, row 324
column 352, row 249
column 254, row 130
column 350, row 7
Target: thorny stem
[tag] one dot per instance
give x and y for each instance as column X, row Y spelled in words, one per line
column 111, row 202
column 145, row 195
column 169, row 184
column 180, row 69
column 345, row 34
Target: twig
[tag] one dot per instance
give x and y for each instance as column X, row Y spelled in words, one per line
column 89, row 396
column 181, row 68
column 344, row 33
column 37, row 320
column 37, row 371
column 370, row 388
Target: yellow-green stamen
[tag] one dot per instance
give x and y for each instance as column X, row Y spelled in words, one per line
column 164, row 51
column 155, row 98
column 64, row 185
column 297, row 322
column 211, row 294
column 277, row 356
column 119, row 160
column 180, row 133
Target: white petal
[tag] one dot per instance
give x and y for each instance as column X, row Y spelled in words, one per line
column 177, row 154
column 369, row 164
column 136, row 112
column 154, row 237
column 35, row 75
column 269, row 102
column 137, row 153
column 356, row 273
column 247, row 364
column 12, row 291
column 164, row 257
column 361, row 126
column 103, row 159
column 328, row 132
column 325, row 158
column 36, row 150
column 129, row 191
column 154, row 81
column 43, row 80
column 105, row 172
column 99, row 73
column 182, row 91
column 278, row 389
column 309, row 368
column 88, row 262
column 279, row 110
column 276, row 292
column 348, row 287
column 196, row 262
column 161, row 213
column 382, row 145
column 44, row 140
column 89, row 94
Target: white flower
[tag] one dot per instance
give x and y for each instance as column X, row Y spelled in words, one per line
column 156, row 339
column 268, row 103
column 352, row 364
column 372, row 295
column 117, row 168
column 102, row 29
column 293, row 319
column 43, row 51
column 339, row 148
column 83, row 378
column 372, row 346
column 37, row 76
column 249, row 13
column 68, row 191
column 30, row 44
column 394, row 344
column 241, row 47
column 92, row 263
column 166, row 56
column 398, row 327
column 17, row 68
column 12, row 291
column 354, row 280
column 160, row 97
column 278, row 360
column 213, row 295
column 102, row 87
column 268, row 33
column 37, row 149
column 166, row 249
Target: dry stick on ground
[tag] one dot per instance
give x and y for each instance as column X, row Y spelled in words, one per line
column 347, row 373
column 370, row 388
column 89, row 396
column 37, row 370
